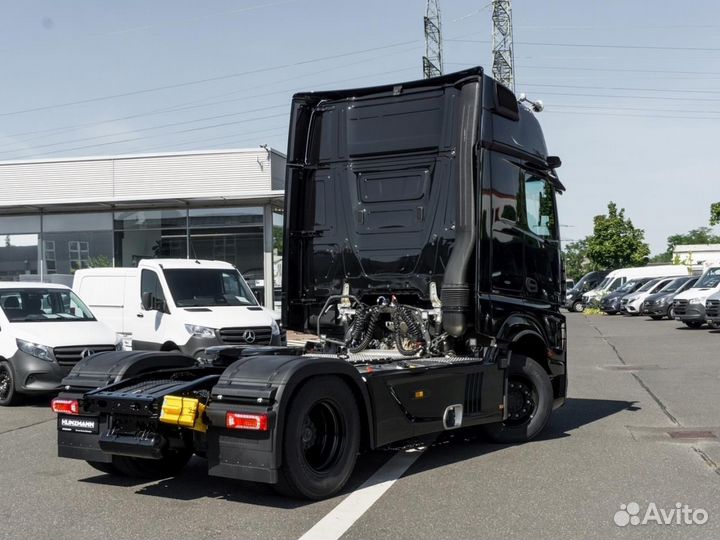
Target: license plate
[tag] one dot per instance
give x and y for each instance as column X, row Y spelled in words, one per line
column 78, row 424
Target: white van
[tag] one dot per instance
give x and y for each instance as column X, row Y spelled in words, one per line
column 45, row 329
column 178, row 304
column 617, row 277
column 689, row 306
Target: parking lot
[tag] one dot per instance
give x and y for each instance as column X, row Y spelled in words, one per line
column 641, row 425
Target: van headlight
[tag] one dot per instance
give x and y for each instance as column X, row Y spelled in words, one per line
column 274, row 328
column 42, row 352
column 200, row 331
column 698, row 300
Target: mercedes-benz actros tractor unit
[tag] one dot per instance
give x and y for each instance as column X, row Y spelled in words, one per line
column 421, row 248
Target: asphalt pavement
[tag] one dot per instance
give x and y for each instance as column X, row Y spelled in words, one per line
column 641, row 425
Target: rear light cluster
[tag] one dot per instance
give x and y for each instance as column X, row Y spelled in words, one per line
column 65, row 406
column 253, row 422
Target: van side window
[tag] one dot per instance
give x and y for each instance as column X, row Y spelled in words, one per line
column 149, row 282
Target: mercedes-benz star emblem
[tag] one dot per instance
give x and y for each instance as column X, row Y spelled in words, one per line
column 86, row 352
column 249, row 336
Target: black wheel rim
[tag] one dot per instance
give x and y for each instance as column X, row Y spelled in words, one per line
column 5, row 383
column 522, row 401
column 322, row 436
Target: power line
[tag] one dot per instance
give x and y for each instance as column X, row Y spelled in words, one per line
column 614, row 96
column 203, row 81
column 201, row 102
column 597, row 45
column 624, row 88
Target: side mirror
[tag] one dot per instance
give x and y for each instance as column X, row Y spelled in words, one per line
column 147, row 301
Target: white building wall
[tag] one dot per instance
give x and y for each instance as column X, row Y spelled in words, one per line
column 232, row 174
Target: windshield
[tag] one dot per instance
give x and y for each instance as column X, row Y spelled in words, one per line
column 202, row 287
column 629, row 286
column 649, row 285
column 710, row 279
column 601, row 286
column 674, row 285
column 43, row 305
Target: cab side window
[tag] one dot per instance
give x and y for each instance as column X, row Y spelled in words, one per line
column 539, row 207
column 149, row 282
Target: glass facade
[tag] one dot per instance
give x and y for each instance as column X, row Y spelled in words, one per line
column 59, row 244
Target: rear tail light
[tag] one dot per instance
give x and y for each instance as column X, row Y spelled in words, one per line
column 65, row 406
column 253, row 422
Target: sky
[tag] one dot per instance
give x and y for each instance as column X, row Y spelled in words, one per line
column 631, row 94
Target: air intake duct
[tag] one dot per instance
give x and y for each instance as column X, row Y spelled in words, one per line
column 455, row 294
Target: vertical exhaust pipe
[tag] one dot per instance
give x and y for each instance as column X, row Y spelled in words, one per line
column 455, row 294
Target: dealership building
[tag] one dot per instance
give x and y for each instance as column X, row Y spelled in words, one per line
column 59, row 215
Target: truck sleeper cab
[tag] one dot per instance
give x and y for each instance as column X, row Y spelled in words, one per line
column 421, row 245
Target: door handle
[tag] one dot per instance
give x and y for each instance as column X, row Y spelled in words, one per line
column 140, row 315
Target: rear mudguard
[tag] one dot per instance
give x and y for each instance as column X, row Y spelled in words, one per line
column 108, row 368
column 266, row 384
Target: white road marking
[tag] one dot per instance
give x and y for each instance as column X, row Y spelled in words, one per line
column 345, row 514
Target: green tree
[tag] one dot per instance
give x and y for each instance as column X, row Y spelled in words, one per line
column 616, row 242
column 701, row 235
column 577, row 263
column 715, row 213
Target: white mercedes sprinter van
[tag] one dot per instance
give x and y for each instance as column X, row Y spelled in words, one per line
column 45, row 329
column 178, row 304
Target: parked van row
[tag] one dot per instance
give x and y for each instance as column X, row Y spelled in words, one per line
column 675, row 294
column 162, row 305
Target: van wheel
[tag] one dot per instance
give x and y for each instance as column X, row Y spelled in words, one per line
column 529, row 403
column 321, row 441
column 578, row 306
column 694, row 324
column 169, row 465
column 656, row 317
column 8, row 394
column 671, row 313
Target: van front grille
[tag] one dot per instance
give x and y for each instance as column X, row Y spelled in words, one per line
column 680, row 307
column 256, row 335
column 712, row 308
column 69, row 356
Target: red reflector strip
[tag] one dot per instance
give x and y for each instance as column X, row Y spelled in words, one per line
column 65, row 406
column 254, row 422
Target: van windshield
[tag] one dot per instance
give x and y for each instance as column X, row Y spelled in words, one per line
column 674, row 285
column 43, row 305
column 710, row 279
column 604, row 283
column 204, row 287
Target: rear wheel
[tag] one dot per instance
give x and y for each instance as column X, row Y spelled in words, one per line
column 694, row 324
column 321, row 440
column 529, row 402
column 169, row 465
column 8, row 394
column 578, row 306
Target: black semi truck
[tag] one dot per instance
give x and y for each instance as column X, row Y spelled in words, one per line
column 421, row 245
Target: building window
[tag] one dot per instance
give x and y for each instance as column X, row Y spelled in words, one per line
column 150, row 234
column 78, row 254
column 78, row 241
column 49, row 256
column 18, row 256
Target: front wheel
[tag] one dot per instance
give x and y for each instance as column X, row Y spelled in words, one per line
column 693, row 324
column 578, row 306
column 8, row 394
column 529, row 402
column 321, row 441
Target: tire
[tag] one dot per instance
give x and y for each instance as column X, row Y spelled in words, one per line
column 107, row 468
column 527, row 381
column 671, row 313
column 694, row 324
column 321, row 439
column 577, row 306
column 8, row 393
column 656, row 317
column 169, row 465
